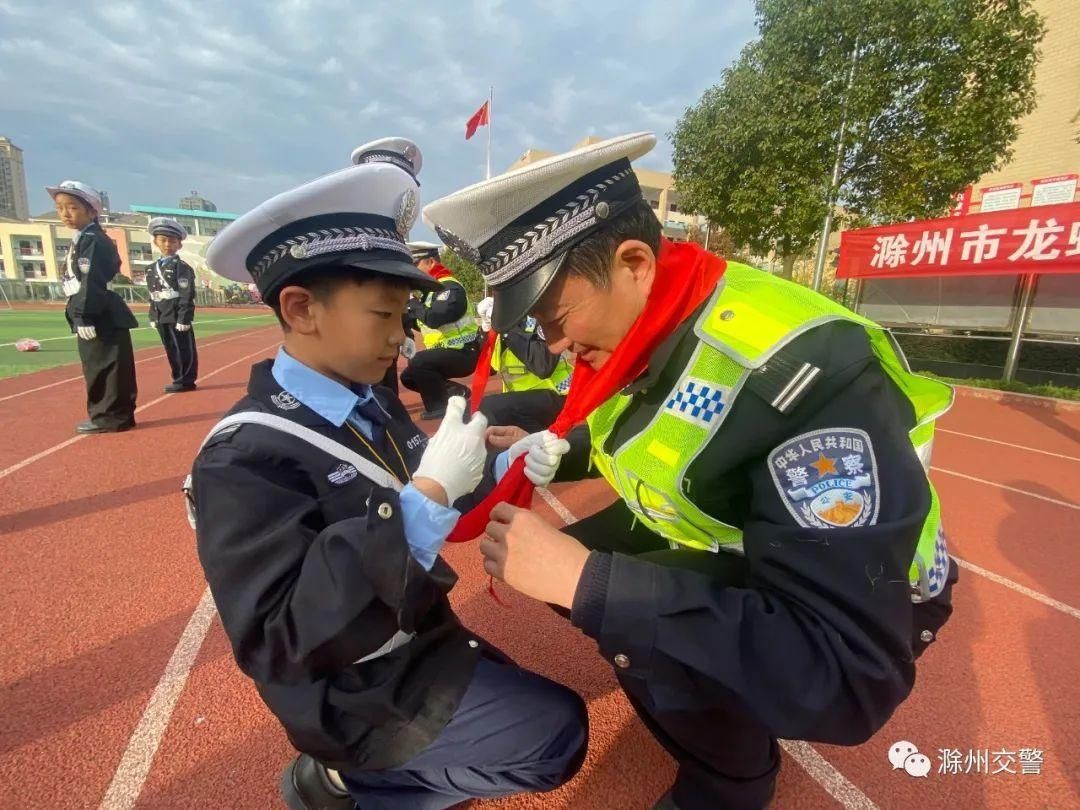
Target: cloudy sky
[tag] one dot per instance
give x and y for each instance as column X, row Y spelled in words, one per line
column 240, row 100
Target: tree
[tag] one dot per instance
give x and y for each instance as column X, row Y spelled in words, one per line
column 468, row 274
column 927, row 93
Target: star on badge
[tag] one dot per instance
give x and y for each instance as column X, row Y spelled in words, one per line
column 824, row 465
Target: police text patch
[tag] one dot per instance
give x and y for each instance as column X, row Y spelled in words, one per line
column 828, row 478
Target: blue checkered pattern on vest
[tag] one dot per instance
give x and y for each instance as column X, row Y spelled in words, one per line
column 697, row 401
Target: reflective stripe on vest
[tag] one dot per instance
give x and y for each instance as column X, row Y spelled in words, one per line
column 750, row 317
column 516, row 376
column 450, row 335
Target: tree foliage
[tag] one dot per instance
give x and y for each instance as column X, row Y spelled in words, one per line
column 468, row 274
column 934, row 99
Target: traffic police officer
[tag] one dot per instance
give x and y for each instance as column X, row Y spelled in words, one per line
column 776, row 560
column 534, row 381
column 406, row 155
column 95, row 313
column 320, row 510
column 451, row 339
column 171, row 282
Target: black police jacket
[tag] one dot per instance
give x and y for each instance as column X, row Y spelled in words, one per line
column 813, row 630
column 310, row 570
column 94, row 261
column 172, row 274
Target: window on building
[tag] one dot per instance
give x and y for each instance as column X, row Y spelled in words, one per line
column 673, row 208
column 30, row 270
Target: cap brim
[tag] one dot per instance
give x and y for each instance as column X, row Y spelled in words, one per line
column 71, row 192
column 396, row 268
column 515, row 300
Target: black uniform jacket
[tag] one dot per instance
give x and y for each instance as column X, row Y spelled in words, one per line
column 310, row 570
column 814, row 630
column 531, row 349
column 94, row 262
column 172, row 273
column 442, row 307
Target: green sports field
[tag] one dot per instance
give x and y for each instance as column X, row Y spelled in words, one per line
column 58, row 347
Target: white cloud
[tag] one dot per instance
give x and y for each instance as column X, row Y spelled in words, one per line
column 330, row 66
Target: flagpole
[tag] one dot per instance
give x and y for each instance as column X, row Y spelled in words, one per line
column 491, row 98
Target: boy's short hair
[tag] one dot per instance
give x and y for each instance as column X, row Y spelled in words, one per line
column 322, row 282
column 590, row 258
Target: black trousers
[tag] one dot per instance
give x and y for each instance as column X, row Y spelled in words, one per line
column 181, row 351
column 513, row 732
column 531, row 410
column 108, row 364
column 726, row 757
column 430, row 371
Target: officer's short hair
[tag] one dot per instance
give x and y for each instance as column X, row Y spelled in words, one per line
column 590, row 259
column 322, row 282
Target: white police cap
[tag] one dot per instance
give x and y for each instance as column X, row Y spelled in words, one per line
column 355, row 217
column 424, row 250
column 519, row 226
column 86, row 193
column 400, row 152
column 167, row 226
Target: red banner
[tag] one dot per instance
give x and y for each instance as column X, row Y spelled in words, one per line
column 1026, row 240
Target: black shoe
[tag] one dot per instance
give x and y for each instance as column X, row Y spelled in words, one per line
column 438, row 413
column 177, row 388
column 90, row 427
column 458, row 390
column 305, row 785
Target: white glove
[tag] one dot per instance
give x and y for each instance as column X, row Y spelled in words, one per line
column 183, row 327
column 485, row 324
column 484, row 310
column 153, row 324
column 455, row 455
column 408, row 348
column 543, row 451
column 86, row 332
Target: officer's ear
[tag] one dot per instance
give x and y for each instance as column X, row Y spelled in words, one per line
column 296, row 305
column 635, row 261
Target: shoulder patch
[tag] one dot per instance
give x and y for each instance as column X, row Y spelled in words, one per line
column 84, row 265
column 342, row 474
column 184, row 283
column 828, row 478
column 285, row 401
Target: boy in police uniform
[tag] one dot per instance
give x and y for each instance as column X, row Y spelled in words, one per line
column 321, row 509
column 776, row 562
column 534, row 381
column 95, row 313
column 451, row 339
column 171, row 282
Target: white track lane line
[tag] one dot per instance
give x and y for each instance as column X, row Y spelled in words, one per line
column 1007, row 444
column 56, row 448
column 245, row 333
column 148, row 328
column 1066, row 504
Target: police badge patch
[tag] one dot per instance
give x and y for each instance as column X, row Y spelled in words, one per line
column 828, row 478
column 342, row 474
column 184, row 283
column 84, row 265
column 285, row 401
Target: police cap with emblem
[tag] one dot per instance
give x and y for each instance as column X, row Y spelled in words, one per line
column 356, row 217
column 400, row 152
column 423, row 250
column 167, row 226
column 519, row 226
column 82, row 191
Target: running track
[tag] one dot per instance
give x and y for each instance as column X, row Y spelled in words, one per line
column 117, row 689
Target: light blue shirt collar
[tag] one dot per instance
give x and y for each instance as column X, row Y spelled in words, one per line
column 330, row 399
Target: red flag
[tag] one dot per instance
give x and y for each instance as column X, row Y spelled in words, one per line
column 479, row 119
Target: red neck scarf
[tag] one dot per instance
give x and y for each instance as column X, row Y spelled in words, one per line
column 438, row 272
column 686, row 275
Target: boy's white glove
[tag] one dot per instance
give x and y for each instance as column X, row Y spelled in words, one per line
column 183, row 327
column 543, row 451
column 484, row 310
column 455, row 455
column 86, row 332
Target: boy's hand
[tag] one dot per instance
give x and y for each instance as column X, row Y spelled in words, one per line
column 455, row 455
column 502, row 436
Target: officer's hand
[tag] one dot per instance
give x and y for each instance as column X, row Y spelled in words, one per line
column 86, row 332
column 532, row 556
column 183, row 327
column 501, row 437
column 408, row 348
column 153, row 324
column 543, row 451
column 455, row 455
